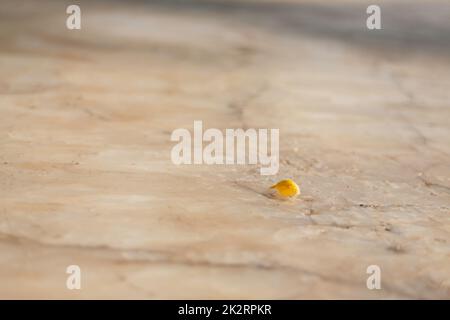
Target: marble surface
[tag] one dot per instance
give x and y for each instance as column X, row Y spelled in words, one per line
column 85, row 170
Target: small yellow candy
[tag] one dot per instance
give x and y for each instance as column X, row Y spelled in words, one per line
column 287, row 188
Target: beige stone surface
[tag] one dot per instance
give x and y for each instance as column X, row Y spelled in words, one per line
column 85, row 170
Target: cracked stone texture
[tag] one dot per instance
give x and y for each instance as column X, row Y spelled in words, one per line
column 85, row 170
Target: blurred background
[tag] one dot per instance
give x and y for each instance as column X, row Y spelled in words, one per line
column 86, row 177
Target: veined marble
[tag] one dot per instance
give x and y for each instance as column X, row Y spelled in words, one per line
column 86, row 177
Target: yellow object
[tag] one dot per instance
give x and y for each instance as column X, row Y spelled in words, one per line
column 287, row 188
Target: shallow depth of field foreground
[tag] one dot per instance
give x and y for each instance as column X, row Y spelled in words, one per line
column 86, row 176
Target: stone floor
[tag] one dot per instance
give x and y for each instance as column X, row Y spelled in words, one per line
column 85, row 170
